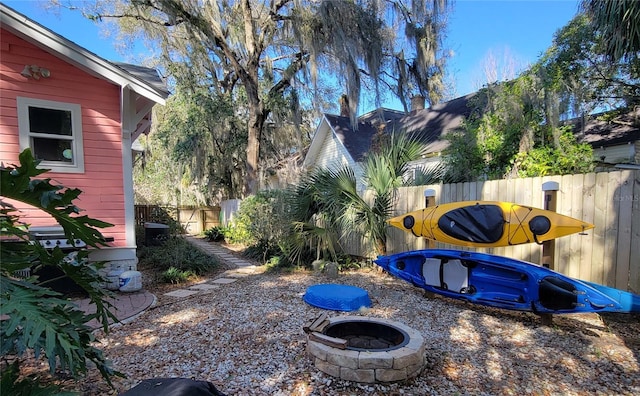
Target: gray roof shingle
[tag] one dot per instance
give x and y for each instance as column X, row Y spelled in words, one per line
column 621, row 129
column 146, row 74
column 434, row 123
column 430, row 125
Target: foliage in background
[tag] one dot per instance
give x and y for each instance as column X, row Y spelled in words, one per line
column 568, row 158
column 39, row 319
column 464, row 158
column 157, row 178
column 262, row 223
column 178, row 253
column 509, row 132
column 198, row 144
column 619, row 23
column 215, row 234
column 203, row 137
column 592, row 65
column 264, row 54
column 578, row 77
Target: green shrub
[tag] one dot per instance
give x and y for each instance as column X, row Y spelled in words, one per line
column 347, row 262
column 570, row 157
column 279, row 264
column 238, row 232
column 175, row 275
column 177, row 252
column 262, row 223
column 215, row 234
column 36, row 318
column 262, row 250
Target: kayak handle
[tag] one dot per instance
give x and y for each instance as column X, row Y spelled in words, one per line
column 535, row 238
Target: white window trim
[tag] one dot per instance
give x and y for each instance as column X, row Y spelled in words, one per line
column 76, row 124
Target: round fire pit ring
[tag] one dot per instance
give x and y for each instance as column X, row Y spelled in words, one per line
column 369, row 350
column 368, row 335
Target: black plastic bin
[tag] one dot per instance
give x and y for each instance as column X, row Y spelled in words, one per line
column 155, row 234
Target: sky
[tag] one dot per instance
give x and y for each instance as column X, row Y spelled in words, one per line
column 518, row 30
column 512, row 32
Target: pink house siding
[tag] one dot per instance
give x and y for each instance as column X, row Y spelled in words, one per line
column 102, row 183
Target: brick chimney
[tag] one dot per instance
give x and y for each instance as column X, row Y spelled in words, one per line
column 344, row 106
column 417, row 103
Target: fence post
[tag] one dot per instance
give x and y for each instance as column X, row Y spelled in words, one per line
column 550, row 189
column 429, row 201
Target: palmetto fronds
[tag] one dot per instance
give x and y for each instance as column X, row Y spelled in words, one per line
column 330, row 208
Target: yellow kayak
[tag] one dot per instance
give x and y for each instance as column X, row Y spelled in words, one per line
column 488, row 224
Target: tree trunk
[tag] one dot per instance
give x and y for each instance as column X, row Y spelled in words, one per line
column 253, row 148
column 257, row 115
column 381, row 246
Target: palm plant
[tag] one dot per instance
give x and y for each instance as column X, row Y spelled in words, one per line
column 619, row 22
column 384, row 172
column 327, row 206
column 314, row 203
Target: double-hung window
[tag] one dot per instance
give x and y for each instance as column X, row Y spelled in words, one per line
column 53, row 131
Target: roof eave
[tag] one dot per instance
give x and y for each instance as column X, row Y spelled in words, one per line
column 314, row 147
column 74, row 54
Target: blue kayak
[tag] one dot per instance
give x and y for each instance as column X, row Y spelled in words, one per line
column 503, row 282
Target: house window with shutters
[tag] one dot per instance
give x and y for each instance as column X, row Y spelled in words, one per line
column 53, row 131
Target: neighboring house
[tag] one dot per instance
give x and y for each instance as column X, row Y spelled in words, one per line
column 615, row 140
column 336, row 143
column 79, row 114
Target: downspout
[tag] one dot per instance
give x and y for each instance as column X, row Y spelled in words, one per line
column 127, row 110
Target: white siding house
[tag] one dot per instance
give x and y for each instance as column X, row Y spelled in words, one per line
column 336, row 143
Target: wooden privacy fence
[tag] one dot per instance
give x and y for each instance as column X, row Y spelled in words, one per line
column 193, row 219
column 609, row 254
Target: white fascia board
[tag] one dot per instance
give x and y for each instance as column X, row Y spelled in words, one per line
column 74, row 54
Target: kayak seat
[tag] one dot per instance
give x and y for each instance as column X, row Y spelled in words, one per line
column 556, row 294
column 446, row 274
column 431, row 272
column 455, row 276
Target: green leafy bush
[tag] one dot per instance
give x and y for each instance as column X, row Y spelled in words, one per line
column 570, row 157
column 215, row 234
column 347, row 262
column 38, row 319
column 178, row 253
column 238, row 232
column 281, row 264
column 262, row 223
column 175, row 275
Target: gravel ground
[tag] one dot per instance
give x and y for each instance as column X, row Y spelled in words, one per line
column 247, row 339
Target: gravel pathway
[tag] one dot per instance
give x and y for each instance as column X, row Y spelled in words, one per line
column 247, row 339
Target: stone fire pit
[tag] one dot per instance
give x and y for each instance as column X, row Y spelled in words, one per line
column 363, row 349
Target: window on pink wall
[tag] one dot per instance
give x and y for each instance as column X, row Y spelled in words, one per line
column 53, row 131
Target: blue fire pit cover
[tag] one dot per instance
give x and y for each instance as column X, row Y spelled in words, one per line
column 337, row 297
